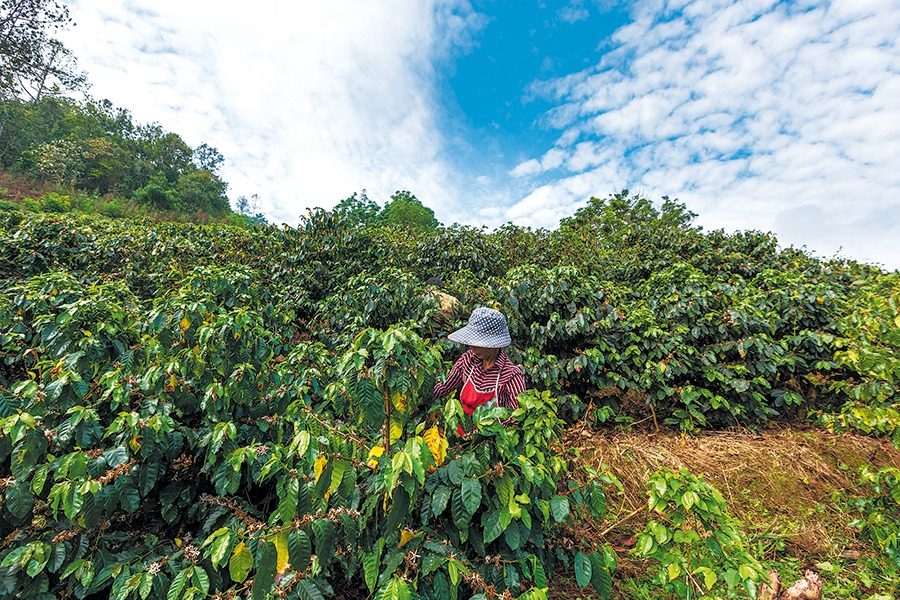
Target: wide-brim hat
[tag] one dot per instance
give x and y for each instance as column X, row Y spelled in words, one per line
column 486, row 329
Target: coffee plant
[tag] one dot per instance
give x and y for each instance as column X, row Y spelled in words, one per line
column 696, row 543
column 194, row 410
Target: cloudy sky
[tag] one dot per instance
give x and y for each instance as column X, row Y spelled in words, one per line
column 757, row 114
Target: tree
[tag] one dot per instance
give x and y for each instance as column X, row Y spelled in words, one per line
column 201, row 191
column 32, row 62
column 358, row 209
column 250, row 210
column 406, row 210
column 207, row 157
column 620, row 212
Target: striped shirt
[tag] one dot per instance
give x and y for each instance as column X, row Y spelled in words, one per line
column 511, row 381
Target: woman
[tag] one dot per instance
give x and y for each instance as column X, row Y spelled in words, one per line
column 484, row 372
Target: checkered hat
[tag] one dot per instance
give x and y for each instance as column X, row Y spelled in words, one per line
column 486, row 329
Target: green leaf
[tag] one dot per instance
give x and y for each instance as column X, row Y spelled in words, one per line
column 559, row 508
column 226, row 479
column 461, row 516
column 307, row 590
column 540, row 577
column 645, row 544
column 178, row 584
column 371, row 563
column 395, row 589
column 19, row 499
column 299, row 550
column 688, row 499
column 149, row 475
column 505, row 489
column 601, row 580
column 73, row 566
column 598, row 501
column 440, row 587
column 129, row 498
column 470, row 492
column 264, row 578
column 492, row 527
column 39, row 479
column 439, row 499
column 513, row 536
column 201, row 579
column 145, row 586
column 287, row 508
column 326, row 538
column 432, row 562
column 304, row 503
column 219, row 549
column 58, row 558
column 399, row 510
column 39, row 558
column 337, row 474
column 582, row 569
column 240, row 563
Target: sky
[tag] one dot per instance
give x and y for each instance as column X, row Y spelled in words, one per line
column 776, row 116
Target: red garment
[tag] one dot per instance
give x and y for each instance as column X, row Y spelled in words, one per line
column 509, row 384
column 471, row 397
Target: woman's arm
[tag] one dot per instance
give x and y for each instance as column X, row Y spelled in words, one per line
column 454, row 379
column 509, row 392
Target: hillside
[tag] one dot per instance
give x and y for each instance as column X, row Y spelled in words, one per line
column 195, row 410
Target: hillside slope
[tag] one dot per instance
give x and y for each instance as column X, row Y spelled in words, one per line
column 194, row 410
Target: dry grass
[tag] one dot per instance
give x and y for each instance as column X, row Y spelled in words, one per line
column 780, row 483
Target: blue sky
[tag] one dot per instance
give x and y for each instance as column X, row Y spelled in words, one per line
column 757, row 114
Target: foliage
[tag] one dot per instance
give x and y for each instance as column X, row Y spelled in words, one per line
column 32, row 62
column 697, row 544
column 407, row 211
column 358, row 209
column 624, row 237
column 871, row 420
column 186, row 409
column 56, row 203
column 868, row 341
column 132, row 423
column 93, row 146
column 379, row 300
column 880, row 520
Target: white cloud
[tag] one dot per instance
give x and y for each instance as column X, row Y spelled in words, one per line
column 573, row 13
column 308, row 102
column 758, row 115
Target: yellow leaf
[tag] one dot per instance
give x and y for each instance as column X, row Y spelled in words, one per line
column 405, row 536
column 399, row 401
column 184, row 324
column 396, row 430
column 437, row 444
column 319, row 466
column 281, row 547
column 178, row 542
column 662, row 367
column 374, row 453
